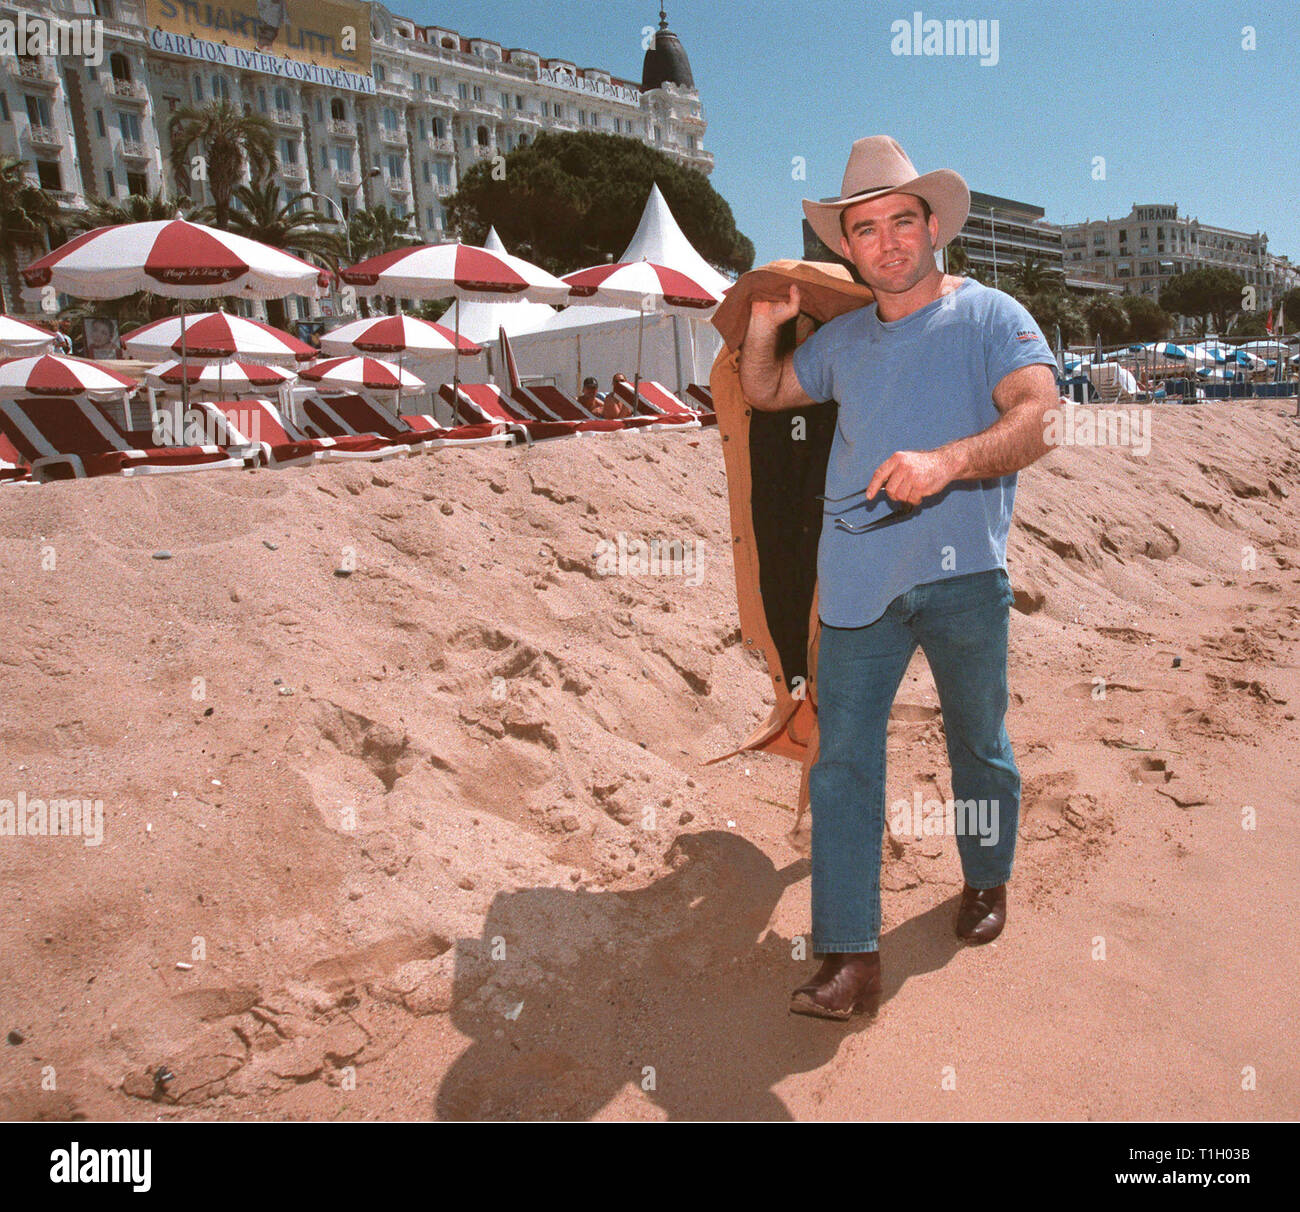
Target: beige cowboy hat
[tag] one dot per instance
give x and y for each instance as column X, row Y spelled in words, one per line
column 878, row 166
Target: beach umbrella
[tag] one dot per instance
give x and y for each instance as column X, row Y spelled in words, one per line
column 18, row 337
column 175, row 258
column 56, row 375
column 216, row 334
column 232, row 374
column 464, row 272
column 370, row 373
column 645, row 286
column 398, row 334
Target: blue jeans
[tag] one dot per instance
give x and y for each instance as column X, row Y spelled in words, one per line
column 961, row 625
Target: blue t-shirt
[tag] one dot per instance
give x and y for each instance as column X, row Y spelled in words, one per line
column 912, row 384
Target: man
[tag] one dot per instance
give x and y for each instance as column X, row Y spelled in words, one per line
column 589, row 397
column 942, row 386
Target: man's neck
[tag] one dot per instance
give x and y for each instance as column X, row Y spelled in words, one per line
column 927, row 290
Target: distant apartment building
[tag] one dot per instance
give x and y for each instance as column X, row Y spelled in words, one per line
column 1142, row 251
column 392, row 114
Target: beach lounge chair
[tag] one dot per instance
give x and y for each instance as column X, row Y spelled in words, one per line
column 486, row 403
column 348, row 416
column 363, row 415
column 68, row 438
column 13, row 470
column 258, row 424
column 551, row 402
column 701, row 399
column 658, row 401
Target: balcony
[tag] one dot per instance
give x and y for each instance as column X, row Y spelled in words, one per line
column 484, row 109
column 293, row 172
column 66, row 197
column 483, row 153
column 44, row 136
column 393, row 88
column 38, row 72
column 397, row 185
column 347, row 179
column 286, row 118
column 132, row 149
column 130, row 91
column 445, row 146
column 393, row 135
column 341, row 128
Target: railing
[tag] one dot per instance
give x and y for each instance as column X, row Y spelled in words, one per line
column 397, row 185
column 347, row 179
column 446, row 146
column 392, row 134
column 293, row 172
column 134, row 150
column 341, row 127
column 128, row 90
column 45, row 135
column 65, row 197
column 36, row 71
column 286, row 117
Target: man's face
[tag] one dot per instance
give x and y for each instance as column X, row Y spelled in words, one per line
column 890, row 242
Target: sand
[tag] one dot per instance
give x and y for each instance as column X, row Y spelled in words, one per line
column 435, row 837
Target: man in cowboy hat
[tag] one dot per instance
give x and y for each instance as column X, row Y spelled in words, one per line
column 942, row 385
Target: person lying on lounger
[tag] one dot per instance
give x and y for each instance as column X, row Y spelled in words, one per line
column 614, row 407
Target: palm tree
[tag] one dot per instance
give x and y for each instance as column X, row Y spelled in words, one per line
column 26, row 214
column 231, row 140
column 260, row 215
column 1034, row 276
column 135, row 208
column 375, row 231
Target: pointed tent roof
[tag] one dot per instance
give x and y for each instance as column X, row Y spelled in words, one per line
column 480, row 322
column 659, row 239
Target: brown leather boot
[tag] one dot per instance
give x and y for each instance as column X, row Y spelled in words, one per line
column 982, row 914
column 846, row 984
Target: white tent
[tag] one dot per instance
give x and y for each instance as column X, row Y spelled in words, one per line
column 481, row 322
column 659, row 239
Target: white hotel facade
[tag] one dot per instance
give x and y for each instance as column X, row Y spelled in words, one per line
column 436, row 103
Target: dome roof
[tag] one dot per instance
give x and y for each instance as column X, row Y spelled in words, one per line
column 666, row 61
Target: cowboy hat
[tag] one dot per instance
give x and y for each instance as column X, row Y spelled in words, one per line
column 878, row 166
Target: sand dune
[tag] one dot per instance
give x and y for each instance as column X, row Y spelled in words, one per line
column 404, row 810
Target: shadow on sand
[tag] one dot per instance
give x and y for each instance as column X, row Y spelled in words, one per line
column 571, row 996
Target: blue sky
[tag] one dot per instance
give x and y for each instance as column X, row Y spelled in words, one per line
column 1165, row 92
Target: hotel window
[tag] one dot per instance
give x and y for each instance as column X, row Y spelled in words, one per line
column 478, row 92
column 523, row 141
column 390, row 119
column 342, row 158
column 425, row 170
column 417, row 82
column 546, row 109
column 519, row 101
column 505, row 100
column 379, row 74
column 582, row 117
column 439, row 129
column 483, row 138
column 618, row 125
column 428, row 217
column 112, row 185
column 469, row 137
column 99, row 122
column 658, row 134
column 320, row 110
column 463, row 90
column 282, row 98
column 396, row 167
column 424, row 130
column 198, row 88
column 138, row 184
column 261, row 100
column 47, row 171
column 337, row 112
column 220, row 89
column 434, row 86
column 129, row 125
column 442, row 172
column 288, row 151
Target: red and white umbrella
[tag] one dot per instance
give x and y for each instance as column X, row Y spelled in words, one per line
column 215, row 334
column 372, row 373
column 398, row 334
column 461, row 271
column 172, row 257
column 55, row 375
column 230, row 375
column 646, row 286
column 18, row 337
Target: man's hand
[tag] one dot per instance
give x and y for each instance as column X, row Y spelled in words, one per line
column 770, row 314
column 909, row 476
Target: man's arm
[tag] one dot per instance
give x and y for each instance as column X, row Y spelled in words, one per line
column 1012, row 442
column 768, row 382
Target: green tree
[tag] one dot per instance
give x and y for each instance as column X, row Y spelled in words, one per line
column 135, row 208
column 569, row 200
column 1053, row 307
column 1290, row 309
column 26, row 215
column 260, row 214
column 958, row 260
column 1034, row 277
column 1106, row 319
column 373, row 232
column 1146, row 320
column 1202, row 294
column 1249, row 324
column 231, row 141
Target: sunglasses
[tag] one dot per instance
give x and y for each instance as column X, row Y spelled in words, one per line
column 900, row 514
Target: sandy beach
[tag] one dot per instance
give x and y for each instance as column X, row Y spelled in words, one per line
column 405, row 811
